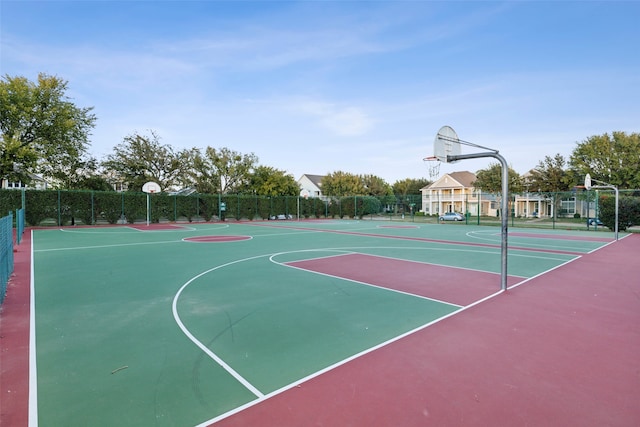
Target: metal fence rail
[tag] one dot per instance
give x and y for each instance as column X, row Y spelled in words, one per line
column 6, row 253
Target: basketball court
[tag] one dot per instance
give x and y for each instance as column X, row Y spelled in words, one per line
column 321, row 323
column 326, row 322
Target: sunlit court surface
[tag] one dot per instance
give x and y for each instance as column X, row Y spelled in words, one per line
column 315, row 322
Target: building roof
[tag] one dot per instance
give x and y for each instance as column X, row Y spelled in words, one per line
column 316, row 179
column 465, row 178
column 461, row 179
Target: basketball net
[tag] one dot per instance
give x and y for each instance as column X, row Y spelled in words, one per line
column 434, row 167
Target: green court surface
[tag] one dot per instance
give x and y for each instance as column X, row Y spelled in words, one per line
column 143, row 327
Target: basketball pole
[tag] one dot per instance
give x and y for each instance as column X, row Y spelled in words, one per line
column 504, row 208
column 611, row 187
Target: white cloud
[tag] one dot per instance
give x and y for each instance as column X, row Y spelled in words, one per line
column 342, row 121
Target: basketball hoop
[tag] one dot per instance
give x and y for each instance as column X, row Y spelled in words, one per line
column 434, row 167
column 587, row 182
column 446, row 144
column 151, row 187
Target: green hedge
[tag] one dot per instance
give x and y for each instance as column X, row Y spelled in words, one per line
column 59, row 207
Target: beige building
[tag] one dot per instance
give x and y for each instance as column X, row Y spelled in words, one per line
column 454, row 192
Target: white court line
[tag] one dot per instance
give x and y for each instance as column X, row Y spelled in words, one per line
column 198, row 343
column 526, row 244
column 33, row 368
column 81, row 248
column 132, row 230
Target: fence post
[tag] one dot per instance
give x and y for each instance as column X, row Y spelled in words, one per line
column 6, row 253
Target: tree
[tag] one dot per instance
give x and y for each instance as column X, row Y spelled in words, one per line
column 490, row 180
column 268, row 181
column 42, row 130
column 375, row 186
column 16, row 159
column 550, row 175
column 141, row 158
column 94, row 182
column 81, row 174
column 339, row 184
column 409, row 186
column 222, row 170
column 614, row 159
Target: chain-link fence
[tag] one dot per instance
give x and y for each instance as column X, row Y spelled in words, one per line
column 63, row 208
column 6, row 253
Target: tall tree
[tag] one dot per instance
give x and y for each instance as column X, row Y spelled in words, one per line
column 409, row 186
column 141, row 158
column 42, row 131
column 222, row 170
column 268, row 181
column 550, row 175
column 80, row 174
column 339, row 184
column 16, row 159
column 375, row 186
column 614, row 159
column 490, row 179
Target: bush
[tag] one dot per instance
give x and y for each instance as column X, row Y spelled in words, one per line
column 628, row 211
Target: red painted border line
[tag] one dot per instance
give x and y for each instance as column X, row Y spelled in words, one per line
column 14, row 339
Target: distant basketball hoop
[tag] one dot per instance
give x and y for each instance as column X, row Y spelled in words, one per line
column 151, row 187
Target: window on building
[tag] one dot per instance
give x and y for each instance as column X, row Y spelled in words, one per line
column 568, row 206
column 15, row 184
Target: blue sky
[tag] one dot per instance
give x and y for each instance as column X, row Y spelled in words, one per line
column 320, row 86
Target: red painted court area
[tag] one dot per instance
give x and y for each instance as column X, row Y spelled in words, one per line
column 560, row 350
column 452, row 285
